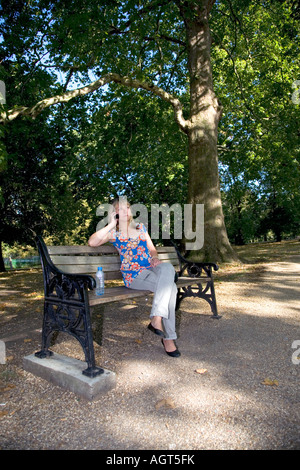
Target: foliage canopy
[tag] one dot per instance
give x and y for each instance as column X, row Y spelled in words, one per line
column 76, row 154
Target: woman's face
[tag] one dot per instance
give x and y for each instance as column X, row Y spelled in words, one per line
column 124, row 211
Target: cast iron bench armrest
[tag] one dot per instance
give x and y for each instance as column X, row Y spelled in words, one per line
column 49, row 267
column 194, row 268
column 84, row 278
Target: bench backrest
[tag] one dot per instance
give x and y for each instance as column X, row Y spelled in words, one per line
column 86, row 259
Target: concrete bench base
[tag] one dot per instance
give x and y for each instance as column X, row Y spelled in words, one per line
column 66, row 372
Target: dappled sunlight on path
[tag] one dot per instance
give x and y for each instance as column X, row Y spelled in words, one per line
column 234, row 387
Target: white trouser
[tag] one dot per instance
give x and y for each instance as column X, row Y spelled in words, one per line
column 160, row 280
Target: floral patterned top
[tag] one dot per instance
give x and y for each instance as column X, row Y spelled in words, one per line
column 134, row 253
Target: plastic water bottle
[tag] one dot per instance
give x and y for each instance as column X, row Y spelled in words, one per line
column 99, row 282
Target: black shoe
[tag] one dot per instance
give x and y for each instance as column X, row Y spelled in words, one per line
column 156, row 331
column 175, row 353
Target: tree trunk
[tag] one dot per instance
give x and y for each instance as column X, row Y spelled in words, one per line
column 205, row 113
column 2, row 266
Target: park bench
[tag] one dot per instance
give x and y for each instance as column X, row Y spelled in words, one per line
column 69, row 288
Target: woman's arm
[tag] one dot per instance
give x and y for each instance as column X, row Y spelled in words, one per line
column 155, row 260
column 102, row 236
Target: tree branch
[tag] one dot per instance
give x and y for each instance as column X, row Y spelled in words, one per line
column 34, row 111
column 167, row 38
column 210, row 5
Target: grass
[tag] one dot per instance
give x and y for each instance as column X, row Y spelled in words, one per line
column 254, row 256
column 268, row 252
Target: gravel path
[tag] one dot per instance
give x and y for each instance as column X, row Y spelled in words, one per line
column 236, row 385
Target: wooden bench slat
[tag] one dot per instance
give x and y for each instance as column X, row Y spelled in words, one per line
column 69, row 250
column 100, row 260
column 86, row 269
column 75, row 269
column 79, row 249
column 89, row 268
column 165, row 249
column 114, row 294
column 168, row 256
